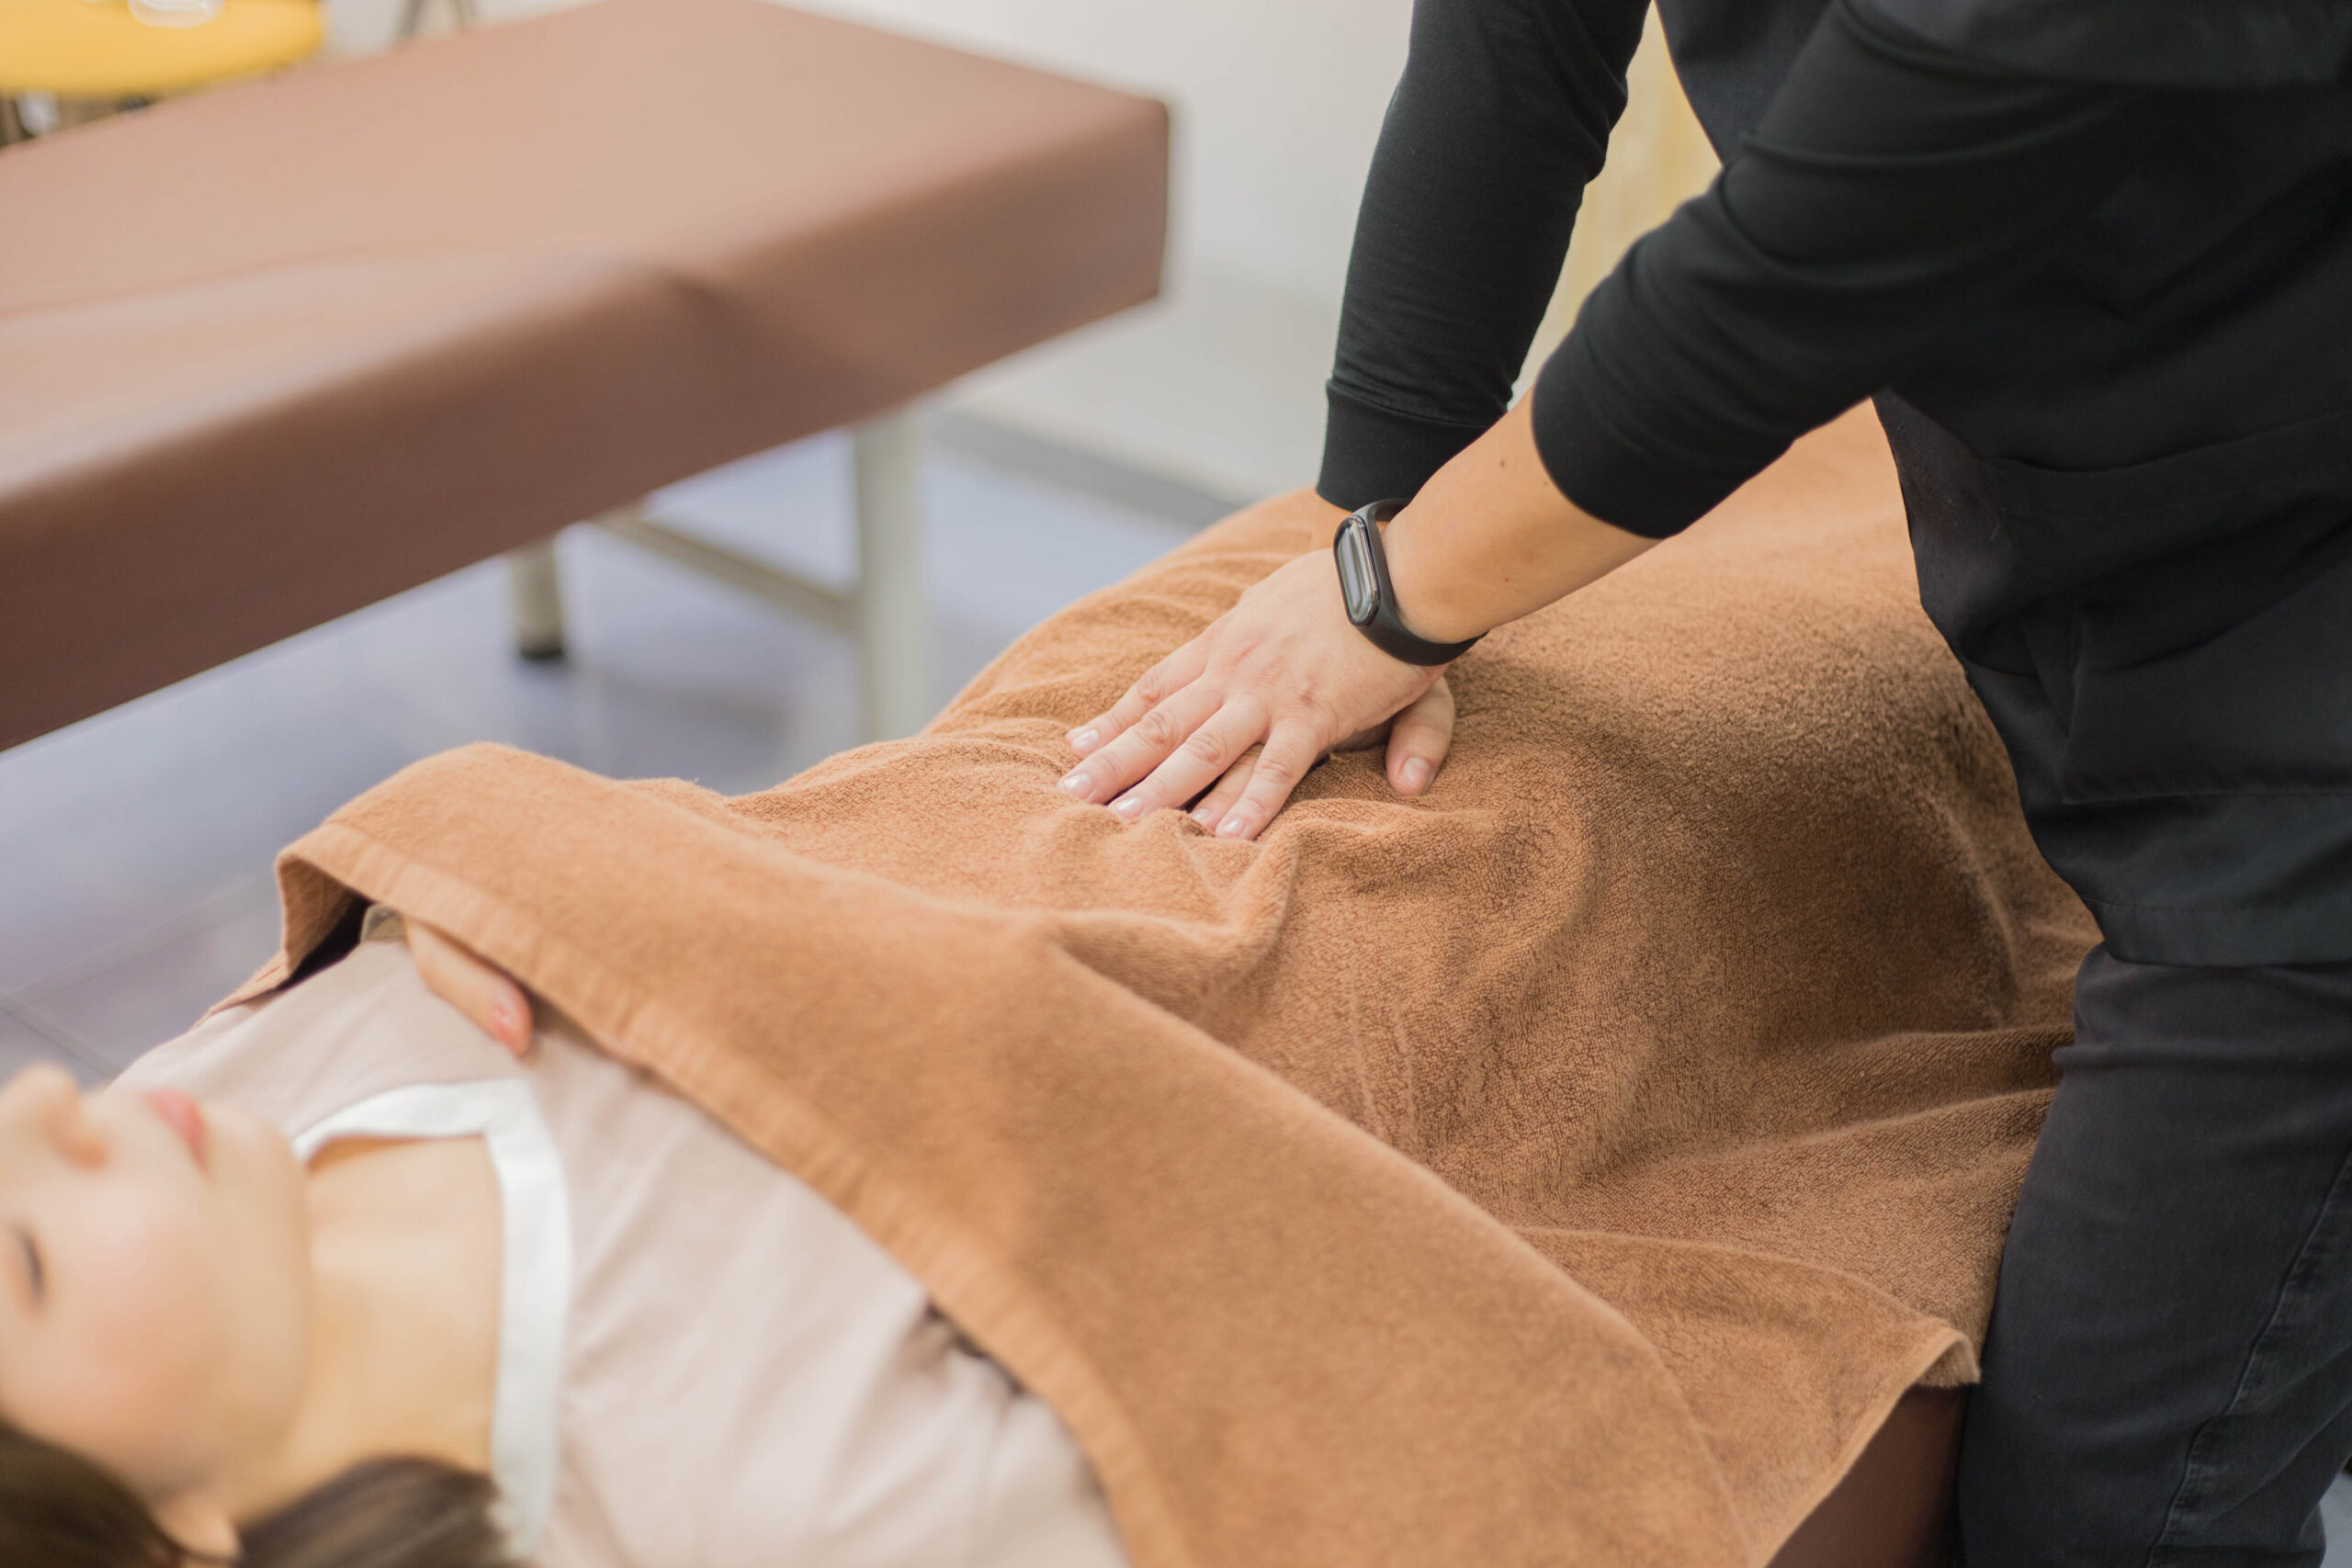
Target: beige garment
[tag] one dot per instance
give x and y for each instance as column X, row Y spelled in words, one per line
column 746, row 1379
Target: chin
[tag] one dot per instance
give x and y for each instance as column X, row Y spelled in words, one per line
column 251, row 1177
column 246, row 1149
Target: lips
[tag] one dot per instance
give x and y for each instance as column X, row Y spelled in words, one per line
column 183, row 1116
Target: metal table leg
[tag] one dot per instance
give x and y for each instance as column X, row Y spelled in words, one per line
column 893, row 609
column 534, row 590
column 889, row 610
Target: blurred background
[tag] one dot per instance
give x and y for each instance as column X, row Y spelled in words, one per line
column 135, row 847
column 1277, row 104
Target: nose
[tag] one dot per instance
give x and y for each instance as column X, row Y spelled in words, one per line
column 43, row 1102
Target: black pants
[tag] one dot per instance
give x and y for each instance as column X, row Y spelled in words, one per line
column 2168, row 1376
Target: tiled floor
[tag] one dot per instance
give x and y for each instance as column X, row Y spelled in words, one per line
column 135, row 847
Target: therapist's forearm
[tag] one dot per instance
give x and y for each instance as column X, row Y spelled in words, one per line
column 1491, row 538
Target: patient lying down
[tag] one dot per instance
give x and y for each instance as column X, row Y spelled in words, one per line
column 458, row 1257
column 309, row 1350
column 912, row 1165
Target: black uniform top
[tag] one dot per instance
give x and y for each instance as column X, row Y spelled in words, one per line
column 2096, row 255
column 2015, row 249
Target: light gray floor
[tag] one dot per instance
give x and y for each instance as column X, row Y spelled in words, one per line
column 135, row 847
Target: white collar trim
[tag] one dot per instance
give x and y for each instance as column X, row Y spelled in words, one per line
column 535, row 1294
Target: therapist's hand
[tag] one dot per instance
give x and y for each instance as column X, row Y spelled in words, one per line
column 1254, row 702
column 1281, row 677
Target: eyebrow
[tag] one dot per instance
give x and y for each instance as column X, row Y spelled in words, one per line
column 34, row 1274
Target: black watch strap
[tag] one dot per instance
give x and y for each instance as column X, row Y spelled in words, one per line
column 1370, row 600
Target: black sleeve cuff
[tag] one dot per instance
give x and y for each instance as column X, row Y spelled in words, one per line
column 1601, row 469
column 1373, row 453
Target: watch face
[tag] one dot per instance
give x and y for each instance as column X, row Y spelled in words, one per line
column 1358, row 587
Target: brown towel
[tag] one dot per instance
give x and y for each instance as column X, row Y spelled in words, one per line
column 1573, row 1167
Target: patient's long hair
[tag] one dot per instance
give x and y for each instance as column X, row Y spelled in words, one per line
column 59, row 1510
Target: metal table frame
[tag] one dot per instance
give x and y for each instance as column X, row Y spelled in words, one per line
column 888, row 610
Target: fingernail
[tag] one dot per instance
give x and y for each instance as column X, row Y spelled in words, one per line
column 503, row 1021
column 1083, row 739
column 1232, row 826
column 1074, row 783
column 1127, row 806
column 1416, row 774
column 1205, row 818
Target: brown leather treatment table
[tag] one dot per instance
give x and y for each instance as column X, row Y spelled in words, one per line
column 275, row 353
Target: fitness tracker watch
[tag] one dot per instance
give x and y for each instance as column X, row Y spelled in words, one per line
column 1370, row 601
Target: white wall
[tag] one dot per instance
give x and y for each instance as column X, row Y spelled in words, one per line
column 1277, row 104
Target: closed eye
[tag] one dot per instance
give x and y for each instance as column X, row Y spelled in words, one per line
column 36, row 1277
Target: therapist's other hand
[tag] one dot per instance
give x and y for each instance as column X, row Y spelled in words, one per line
column 1272, row 686
column 484, row 993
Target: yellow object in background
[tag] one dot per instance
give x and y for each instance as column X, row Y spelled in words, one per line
column 1658, row 158
column 98, row 49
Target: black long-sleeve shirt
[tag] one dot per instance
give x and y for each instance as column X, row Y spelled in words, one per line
column 2063, row 248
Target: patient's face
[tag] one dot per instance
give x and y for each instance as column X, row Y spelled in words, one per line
column 154, row 1280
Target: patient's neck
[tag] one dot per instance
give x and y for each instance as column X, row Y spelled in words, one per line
column 406, row 1246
